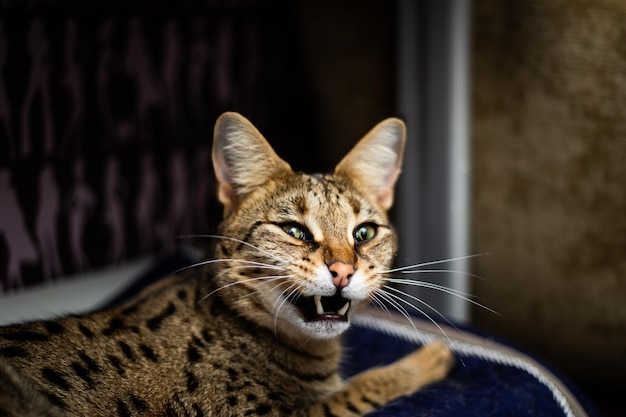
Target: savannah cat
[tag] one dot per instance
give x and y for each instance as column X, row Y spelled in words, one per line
column 255, row 329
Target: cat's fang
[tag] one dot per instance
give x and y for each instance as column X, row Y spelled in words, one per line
column 324, row 308
column 343, row 310
column 318, row 304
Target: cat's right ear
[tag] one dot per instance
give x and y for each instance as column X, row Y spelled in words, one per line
column 243, row 160
column 375, row 160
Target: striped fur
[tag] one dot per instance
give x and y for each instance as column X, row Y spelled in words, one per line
column 242, row 334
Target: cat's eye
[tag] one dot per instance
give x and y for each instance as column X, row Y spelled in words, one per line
column 364, row 232
column 297, row 231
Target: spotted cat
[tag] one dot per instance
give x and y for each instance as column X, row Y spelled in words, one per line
column 253, row 330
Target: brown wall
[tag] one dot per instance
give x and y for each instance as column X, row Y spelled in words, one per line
column 350, row 54
column 549, row 143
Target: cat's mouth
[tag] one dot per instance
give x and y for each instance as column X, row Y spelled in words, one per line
column 318, row 307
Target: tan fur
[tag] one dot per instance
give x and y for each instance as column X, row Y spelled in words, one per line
column 237, row 336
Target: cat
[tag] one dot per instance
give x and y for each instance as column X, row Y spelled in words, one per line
column 255, row 329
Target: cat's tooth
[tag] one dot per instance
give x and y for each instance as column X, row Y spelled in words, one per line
column 318, row 304
column 343, row 310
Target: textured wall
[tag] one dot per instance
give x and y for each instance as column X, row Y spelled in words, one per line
column 549, row 97
column 106, row 119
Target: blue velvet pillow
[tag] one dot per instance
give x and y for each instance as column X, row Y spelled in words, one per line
column 489, row 378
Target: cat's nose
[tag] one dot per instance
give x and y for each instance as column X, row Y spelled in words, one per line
column 341, row 272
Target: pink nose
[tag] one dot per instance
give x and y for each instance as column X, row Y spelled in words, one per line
column 341, row 272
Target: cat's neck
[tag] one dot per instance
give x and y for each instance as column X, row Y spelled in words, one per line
column 247, row 314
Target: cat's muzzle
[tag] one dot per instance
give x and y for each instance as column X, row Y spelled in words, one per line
column 318, row 307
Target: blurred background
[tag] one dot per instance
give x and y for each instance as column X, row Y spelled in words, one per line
column 517, row 147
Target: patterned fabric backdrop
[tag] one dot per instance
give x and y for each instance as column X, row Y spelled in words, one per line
column 106, row 120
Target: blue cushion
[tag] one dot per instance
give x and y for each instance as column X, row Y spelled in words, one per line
column 489, row 378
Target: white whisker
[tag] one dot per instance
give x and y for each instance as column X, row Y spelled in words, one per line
column 269, row 278
column 437, row 287
column 387, row 297
column 255, row 265
column 277, row 286
column 419, row 310
column 233, row 240
column 241, row 282
column 285, row 299
column 212, row 261
column 441, row 261
column 282, row 296
column 374, row 299
column 426, row 284
column 433, row 271
column 419, row 300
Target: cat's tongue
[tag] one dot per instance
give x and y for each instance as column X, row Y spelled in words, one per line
column 323, row 308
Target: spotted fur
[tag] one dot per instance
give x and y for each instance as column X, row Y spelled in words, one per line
column 255, row 329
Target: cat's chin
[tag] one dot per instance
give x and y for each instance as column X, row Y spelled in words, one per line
column 323, row 329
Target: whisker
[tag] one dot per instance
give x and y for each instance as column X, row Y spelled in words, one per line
column 419, row 310
column 269, row 278
column 426, row 284
column 441, row 261
column 386, row 297
column 282, row 296
column 432, row 271
column 419, row 300
column 210, row 236
column 232, row 268
column 242, row 282
column 212, row 261
column 249, row 265
column 374, row 299
column 278, row 286
column 254, row 266
column 437, row 287
column 285, row 299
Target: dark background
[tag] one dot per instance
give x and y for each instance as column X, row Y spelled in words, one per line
column 548, row 136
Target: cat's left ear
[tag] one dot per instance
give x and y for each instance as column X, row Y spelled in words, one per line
column 374, row 163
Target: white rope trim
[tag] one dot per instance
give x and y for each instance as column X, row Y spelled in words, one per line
column 409, row 333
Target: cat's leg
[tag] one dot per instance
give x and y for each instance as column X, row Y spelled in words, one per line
column 18, row 398
column 375, row 387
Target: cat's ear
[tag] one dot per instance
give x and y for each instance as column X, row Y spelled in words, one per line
column 242, row 159
column 375, row 162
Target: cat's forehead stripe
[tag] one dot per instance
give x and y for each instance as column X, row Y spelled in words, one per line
column 355, row 204
column 301, row 205
column 326, row 185
column 329, row 189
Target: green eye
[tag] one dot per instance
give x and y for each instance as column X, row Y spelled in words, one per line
column 296, row 231
column 364, row 233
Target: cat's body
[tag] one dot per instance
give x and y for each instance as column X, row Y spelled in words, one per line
column 254, row 331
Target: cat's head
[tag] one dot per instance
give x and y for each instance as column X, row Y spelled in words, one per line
column 304, row 250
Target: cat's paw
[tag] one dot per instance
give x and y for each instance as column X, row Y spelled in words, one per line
column 429, row 364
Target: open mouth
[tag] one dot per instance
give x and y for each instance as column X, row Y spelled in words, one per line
column 317, row 307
